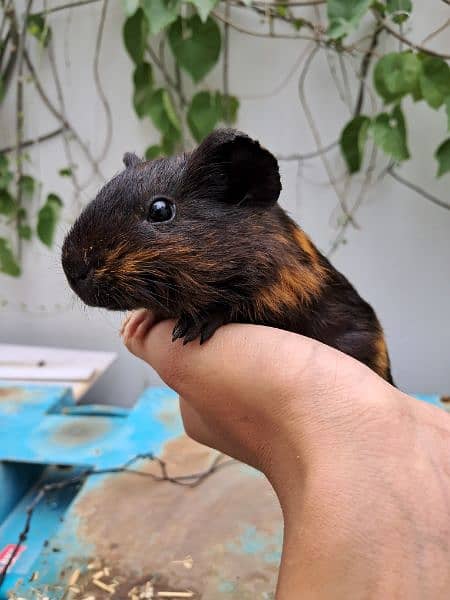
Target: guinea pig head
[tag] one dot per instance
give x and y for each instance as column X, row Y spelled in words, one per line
column 170, row 234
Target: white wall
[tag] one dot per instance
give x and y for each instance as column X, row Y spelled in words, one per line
column 398, row 258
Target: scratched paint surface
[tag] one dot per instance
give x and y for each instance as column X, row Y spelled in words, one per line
column 231, row 524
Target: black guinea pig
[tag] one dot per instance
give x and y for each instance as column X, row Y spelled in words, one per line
column 200, row 238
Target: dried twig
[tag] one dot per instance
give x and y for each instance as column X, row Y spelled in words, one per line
column 61, row 118
column 412, row 186
column 191, row 480
column 98, row 83
column 20, row 121
column 388, row 27
column 38, row 140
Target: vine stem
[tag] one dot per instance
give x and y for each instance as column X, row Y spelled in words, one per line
column 49, row 11
column 98, row 83
column 168, row 79
column 412, row 186
column 32, row 142
column 61, row 118
column 385, row 25
column 19, row 123
column 226, row 63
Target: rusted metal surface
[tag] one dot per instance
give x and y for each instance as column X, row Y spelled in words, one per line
column 80, row 431
column 230, row 525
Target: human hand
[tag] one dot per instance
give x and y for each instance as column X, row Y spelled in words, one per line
column 362, row 470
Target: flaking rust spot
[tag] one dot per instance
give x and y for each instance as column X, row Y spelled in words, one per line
column 16, row 394
column 11, row 394
column 80, row 431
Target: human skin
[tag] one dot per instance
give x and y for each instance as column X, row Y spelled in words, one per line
column 361, row 470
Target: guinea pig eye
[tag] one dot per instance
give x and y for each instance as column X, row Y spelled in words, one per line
column 161, row 209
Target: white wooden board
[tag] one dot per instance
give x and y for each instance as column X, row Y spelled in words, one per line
column 78, row 369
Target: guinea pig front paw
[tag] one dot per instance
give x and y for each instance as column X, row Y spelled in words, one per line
column 189, row 328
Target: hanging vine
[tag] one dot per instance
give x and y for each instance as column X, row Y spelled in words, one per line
column 170, row 42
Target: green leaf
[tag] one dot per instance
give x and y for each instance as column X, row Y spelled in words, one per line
column 5, row 179
column 8, row 263
column 7, row 203
column 204, row 113
column 143, row 88
column 48, row 217
column 37, row 27
column 298, row 23
column 2, row 89
column 153, row 152
column 4, row 163
column 130, row 7
column 389, row 133
column 353, row 140
column 442, row 155
column 230, row 107
column 170, row 110
column 65, row 172
column 160, row 13
column 344, row 16
column 135, row 32
column 396, row 74
column 25, row 232
column 379, row 7
column 434, row 80
column 400, row 10
column 447, row 108
column 195, row 45
column 27, row 185
column 204, row 7
column 158, row 111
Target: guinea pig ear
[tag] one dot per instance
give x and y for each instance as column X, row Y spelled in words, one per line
column 130, row 159
column 231, row 167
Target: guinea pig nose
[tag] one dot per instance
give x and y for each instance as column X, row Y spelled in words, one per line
column 83, row 272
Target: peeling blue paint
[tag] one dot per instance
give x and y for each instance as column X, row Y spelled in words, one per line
column 252, row 541
column 226, row 587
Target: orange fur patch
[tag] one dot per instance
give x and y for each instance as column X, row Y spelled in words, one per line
column 298, row 283
column 381, row 357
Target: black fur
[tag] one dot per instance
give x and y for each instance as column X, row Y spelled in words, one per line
column 229, row 254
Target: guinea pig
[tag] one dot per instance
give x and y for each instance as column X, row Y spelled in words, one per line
column 200, row 238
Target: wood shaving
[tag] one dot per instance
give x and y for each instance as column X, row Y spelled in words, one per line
column 175, row 595
column 74, row 577
column 104, row 586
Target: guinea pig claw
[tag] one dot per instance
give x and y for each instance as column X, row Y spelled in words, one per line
column 180, row 329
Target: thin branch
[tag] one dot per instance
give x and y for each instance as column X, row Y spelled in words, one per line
column 387, row 26
column 348, row 219
column 365, row 65
column 20, row 121
column 412, row 186
column 314, row 130
column 308, row 155
column 98, row 83
column 191, row 480
column 436, row 32
column 37, row 140
column 167, row 77
column 66, row 140
column 269, row 11
column 226, row 61
column 63, row 120
column 69, row 5
column 285, row 36
column 288, row 4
